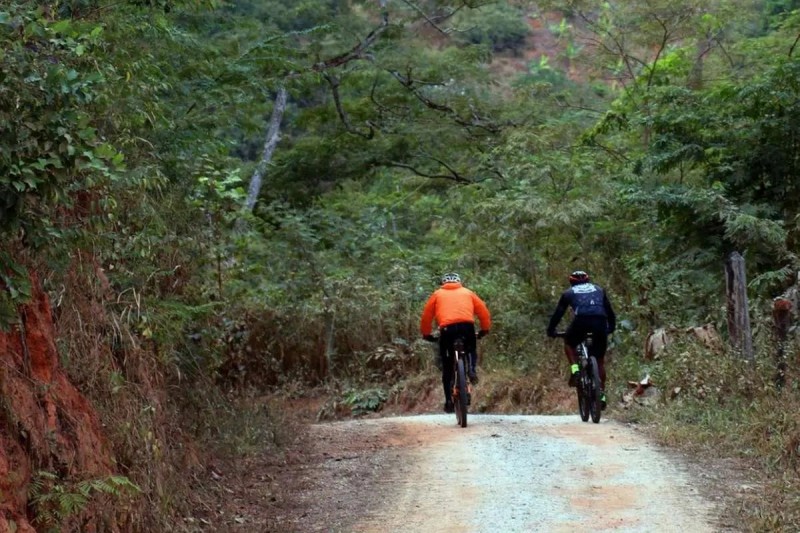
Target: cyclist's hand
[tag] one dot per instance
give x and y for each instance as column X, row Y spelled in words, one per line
column 551, row 333
column 482, row 333
column 429, row 338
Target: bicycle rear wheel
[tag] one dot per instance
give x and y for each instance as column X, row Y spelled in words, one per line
column 594, row 394
column 460, row 393
column 583, row 398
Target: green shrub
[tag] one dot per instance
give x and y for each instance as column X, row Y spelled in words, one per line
column 720, row 406
column 501, row 26
column 365, row 401
column 55, row 500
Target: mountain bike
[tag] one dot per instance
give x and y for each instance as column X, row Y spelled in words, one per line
column 588, row 381
column 462, row 389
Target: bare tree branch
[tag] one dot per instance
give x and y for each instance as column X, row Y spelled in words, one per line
column 794, row 44
column 430, row 21
column 334, row 83
column 476, row 122
column 453, row 176
column 357, row 52
column 661, row 47
column 434, row 21
column 616, row 154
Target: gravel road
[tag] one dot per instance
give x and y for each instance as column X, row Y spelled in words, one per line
column 500, row 474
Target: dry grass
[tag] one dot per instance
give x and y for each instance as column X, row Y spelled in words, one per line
column 728, row 409
column 166, row 431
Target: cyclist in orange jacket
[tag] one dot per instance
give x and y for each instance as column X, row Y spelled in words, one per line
column 454, row 307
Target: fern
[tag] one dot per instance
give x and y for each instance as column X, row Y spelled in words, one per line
column 55, row 501
column 362, row 402
column 773, row 280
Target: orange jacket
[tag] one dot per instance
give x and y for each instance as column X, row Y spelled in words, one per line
column 453, row 303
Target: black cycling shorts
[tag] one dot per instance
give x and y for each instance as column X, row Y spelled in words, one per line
column 448, row 334
column 579, row 329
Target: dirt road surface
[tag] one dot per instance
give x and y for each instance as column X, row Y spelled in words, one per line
column 500, row 474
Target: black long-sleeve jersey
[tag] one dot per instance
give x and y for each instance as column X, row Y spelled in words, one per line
column 585, row 299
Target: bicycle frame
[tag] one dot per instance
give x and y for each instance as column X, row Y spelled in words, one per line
column 588, row 385
column 583, row 352
column 589, row 382
column 461, row 387
column 462, row 390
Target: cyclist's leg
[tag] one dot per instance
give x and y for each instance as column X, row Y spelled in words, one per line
column 466, row 331
column 471, row 346
column 597, row 325
column 447, row 378
column 601, row 367
column 572, row 337
column 599, row 347
column 445, row 352
column 570, row 352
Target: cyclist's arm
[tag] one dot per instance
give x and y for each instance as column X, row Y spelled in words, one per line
column 561, row 308
column 611, row 317
column 425, row 323
column 483, row 312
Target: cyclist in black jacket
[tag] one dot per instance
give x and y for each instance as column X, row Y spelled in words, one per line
column 592, row 312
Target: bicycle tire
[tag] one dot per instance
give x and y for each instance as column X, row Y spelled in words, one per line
column 594, row 398
column 583, row 398
column 460, row 394
column 581, row 387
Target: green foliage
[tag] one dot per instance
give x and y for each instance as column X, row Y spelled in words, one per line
column 129, row 134
column 365, row 401
column 51, row 155
column 15, row 288
column 55, row 501
column 499, row 25
column 541, row 71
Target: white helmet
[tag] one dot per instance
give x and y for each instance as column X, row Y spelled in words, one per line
column 451, row 277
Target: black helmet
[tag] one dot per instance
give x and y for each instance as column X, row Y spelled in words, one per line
column 577, row 277
column 451, row 277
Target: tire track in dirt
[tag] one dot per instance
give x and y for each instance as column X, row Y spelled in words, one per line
column 513, row 473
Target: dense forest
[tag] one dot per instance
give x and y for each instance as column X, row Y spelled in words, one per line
column 204, row 203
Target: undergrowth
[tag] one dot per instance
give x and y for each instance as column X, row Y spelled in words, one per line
column 56, row 501
column 719, row 406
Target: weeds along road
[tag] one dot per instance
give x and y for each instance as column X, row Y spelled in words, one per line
column 500, row 474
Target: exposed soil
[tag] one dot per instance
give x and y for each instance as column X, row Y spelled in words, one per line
column 518, row 473
column 45, row 422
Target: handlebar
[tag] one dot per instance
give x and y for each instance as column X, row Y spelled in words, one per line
column 435, row 338
column 562, row 334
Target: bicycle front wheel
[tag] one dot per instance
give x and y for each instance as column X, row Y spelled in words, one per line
column 594, row 395
column 460, row 394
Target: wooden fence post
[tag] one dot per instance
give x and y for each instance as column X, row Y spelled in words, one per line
column 741, row 337
column 782, row 321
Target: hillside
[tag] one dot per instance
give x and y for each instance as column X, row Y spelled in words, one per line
column 220, row 223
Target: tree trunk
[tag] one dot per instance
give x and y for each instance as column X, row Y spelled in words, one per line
column 737, row 305
column 782, row 321
column 330, row 346
column 273, row 136
column 695, row 81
